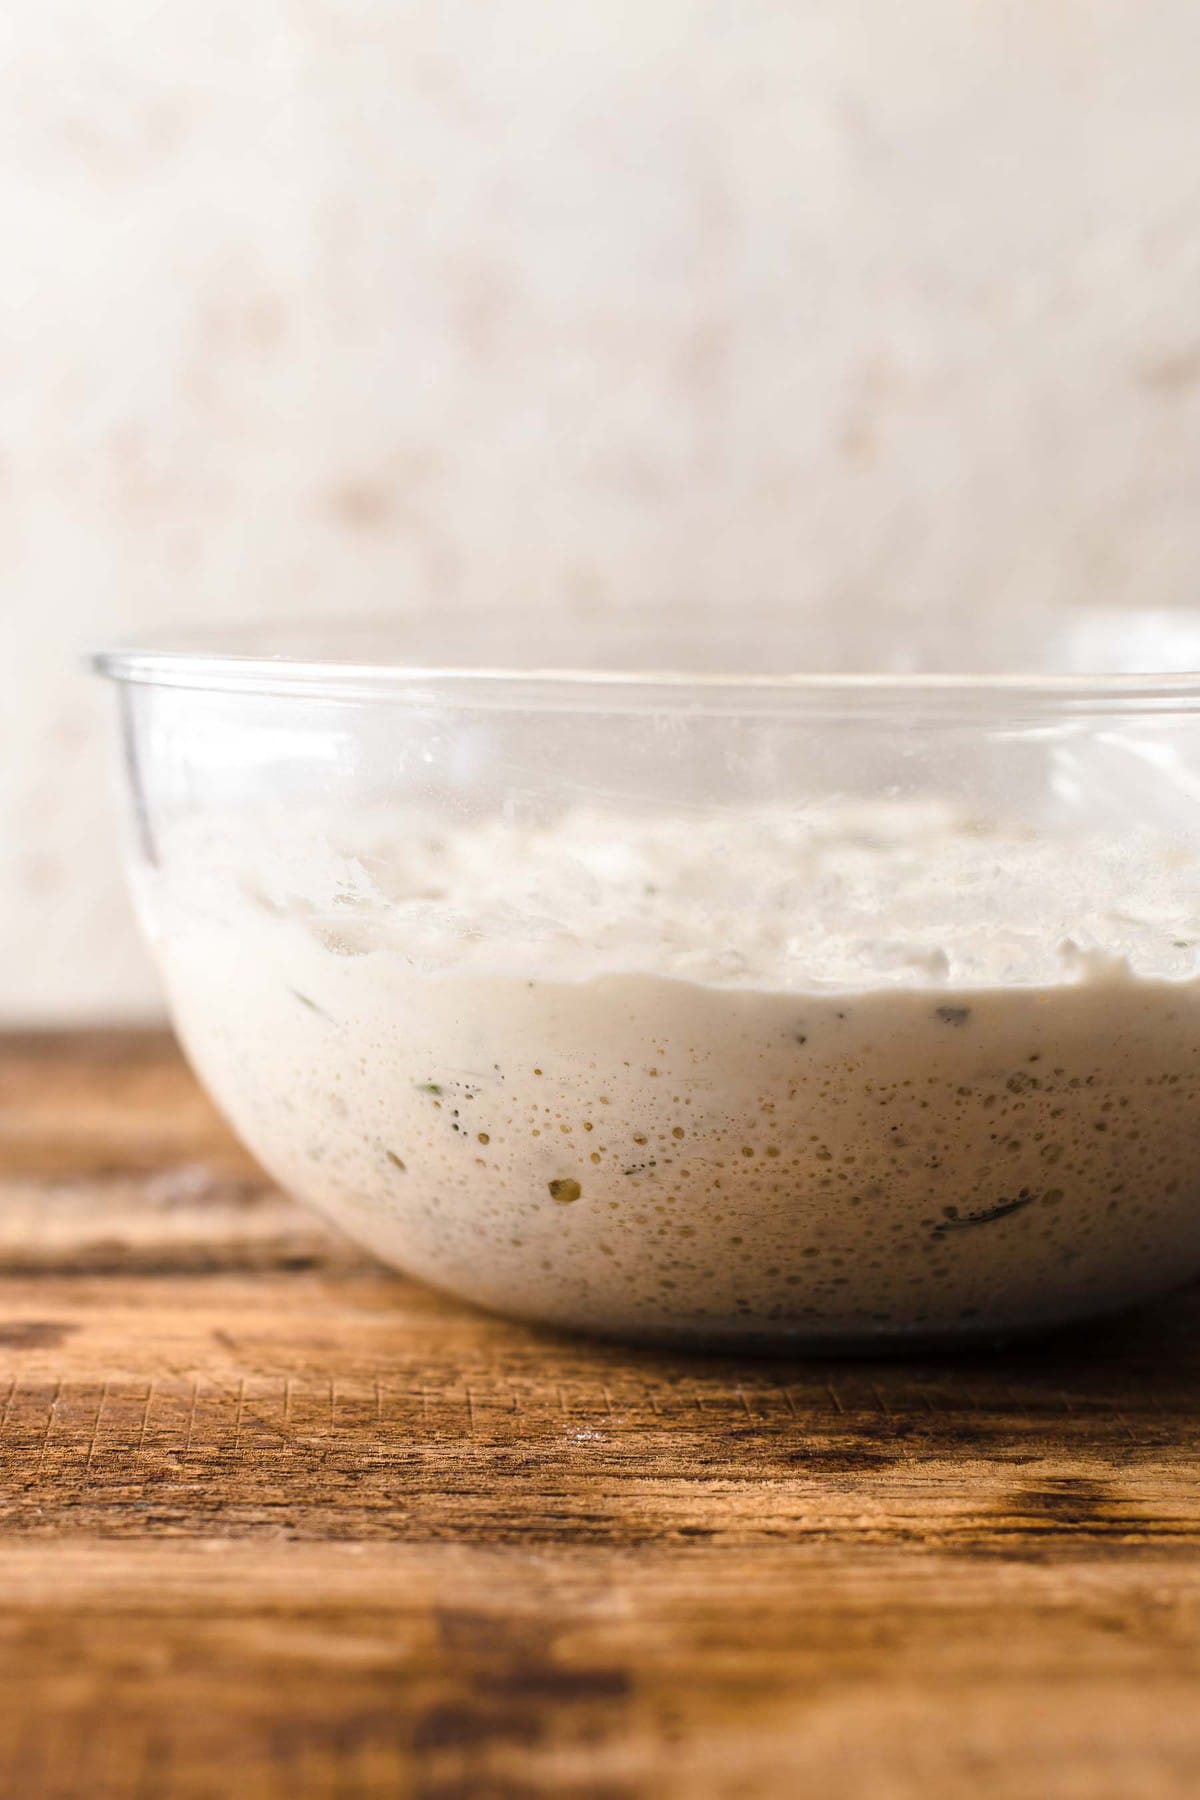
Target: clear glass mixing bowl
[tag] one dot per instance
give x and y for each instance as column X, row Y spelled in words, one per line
column 651, row 985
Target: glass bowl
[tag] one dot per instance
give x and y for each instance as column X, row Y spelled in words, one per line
column 657, row 986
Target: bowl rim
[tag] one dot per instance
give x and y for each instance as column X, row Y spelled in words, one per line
column 232, row 661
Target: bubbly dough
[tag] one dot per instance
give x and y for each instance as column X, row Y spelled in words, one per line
column 851, row 1077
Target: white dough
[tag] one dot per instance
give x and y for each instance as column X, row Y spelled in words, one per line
column 842, row 1077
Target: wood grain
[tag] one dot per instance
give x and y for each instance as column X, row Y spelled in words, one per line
column 273, row 1522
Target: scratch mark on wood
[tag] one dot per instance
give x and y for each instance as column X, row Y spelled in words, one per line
column 8, row 1398
column 141, row 1443
column 41, row 1455
column 91, row 1450
column 1123, row 1422
column 191, row 1419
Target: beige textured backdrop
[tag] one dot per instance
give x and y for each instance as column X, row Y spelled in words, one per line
column 308, row 304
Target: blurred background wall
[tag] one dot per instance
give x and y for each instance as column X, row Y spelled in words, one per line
column 311, row 305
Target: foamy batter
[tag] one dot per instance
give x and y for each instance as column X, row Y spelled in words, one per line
column 853, row 1076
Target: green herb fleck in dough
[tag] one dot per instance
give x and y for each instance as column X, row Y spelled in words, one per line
column 393, row 1158
column 565, row 1190
column 953, row 1220
column 954, row 1015
column 305, row 1001
column 429, row 1087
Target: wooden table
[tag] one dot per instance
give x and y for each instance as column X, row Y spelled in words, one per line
column 278, row 1523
